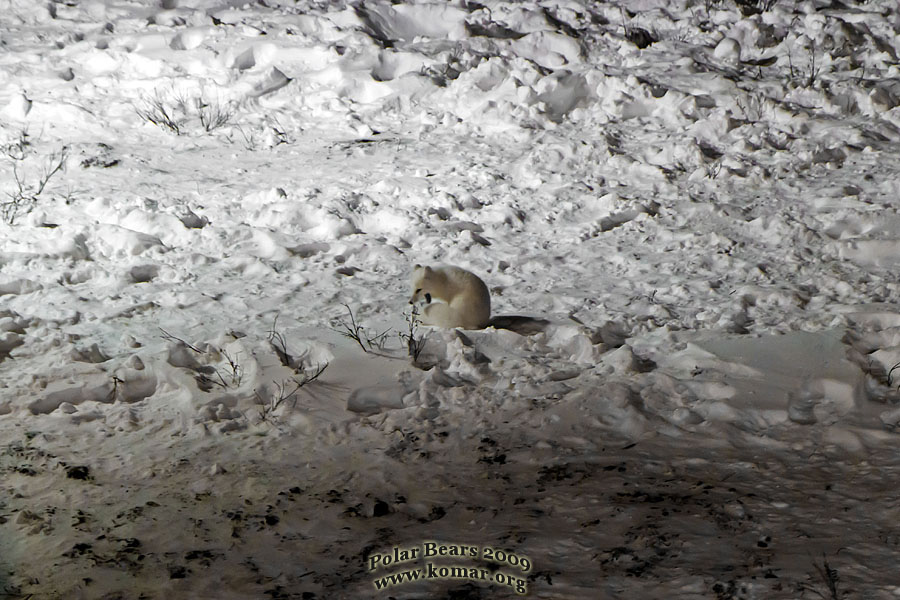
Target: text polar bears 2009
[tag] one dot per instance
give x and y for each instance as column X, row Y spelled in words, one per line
column 445, row 570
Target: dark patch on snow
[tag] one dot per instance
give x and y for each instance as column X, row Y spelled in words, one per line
column 640, row 37
column 78, row 550
column 79, row 472
column 177, row 572
column 381, row 509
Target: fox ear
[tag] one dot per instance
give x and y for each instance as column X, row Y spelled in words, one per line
column 428, row 270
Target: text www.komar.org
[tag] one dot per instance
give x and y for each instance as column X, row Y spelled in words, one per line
column 431, row 571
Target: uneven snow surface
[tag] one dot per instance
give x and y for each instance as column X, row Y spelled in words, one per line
column 701, row 198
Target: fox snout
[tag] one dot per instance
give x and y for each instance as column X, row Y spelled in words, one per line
column 415, row 298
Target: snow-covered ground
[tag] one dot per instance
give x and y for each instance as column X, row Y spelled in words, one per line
column 701, row 198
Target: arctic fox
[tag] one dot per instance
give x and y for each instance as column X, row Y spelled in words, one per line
column 466, row 299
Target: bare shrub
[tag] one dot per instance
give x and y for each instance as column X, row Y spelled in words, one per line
column 805, row 77
column 29, row 181
column 414, row 341
column 168, row 112
column 209, row 376
column 829, row 578
column 213, row 113
column 286, row 391
column 174, row 110
column 367, row 339
column 270, row 134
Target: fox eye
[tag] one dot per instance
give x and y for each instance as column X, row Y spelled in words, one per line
column 418, row 290
column 428, row 298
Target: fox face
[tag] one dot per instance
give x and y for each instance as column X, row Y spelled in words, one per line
column 420, row 280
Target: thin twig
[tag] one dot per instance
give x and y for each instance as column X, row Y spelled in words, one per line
column 267, row 409
column 168, row 336
column 237, row 372
column 279, row 345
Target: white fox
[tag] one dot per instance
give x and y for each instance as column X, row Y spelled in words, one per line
column 466, row 301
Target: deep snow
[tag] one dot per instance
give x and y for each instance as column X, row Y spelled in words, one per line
column 709, row 221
